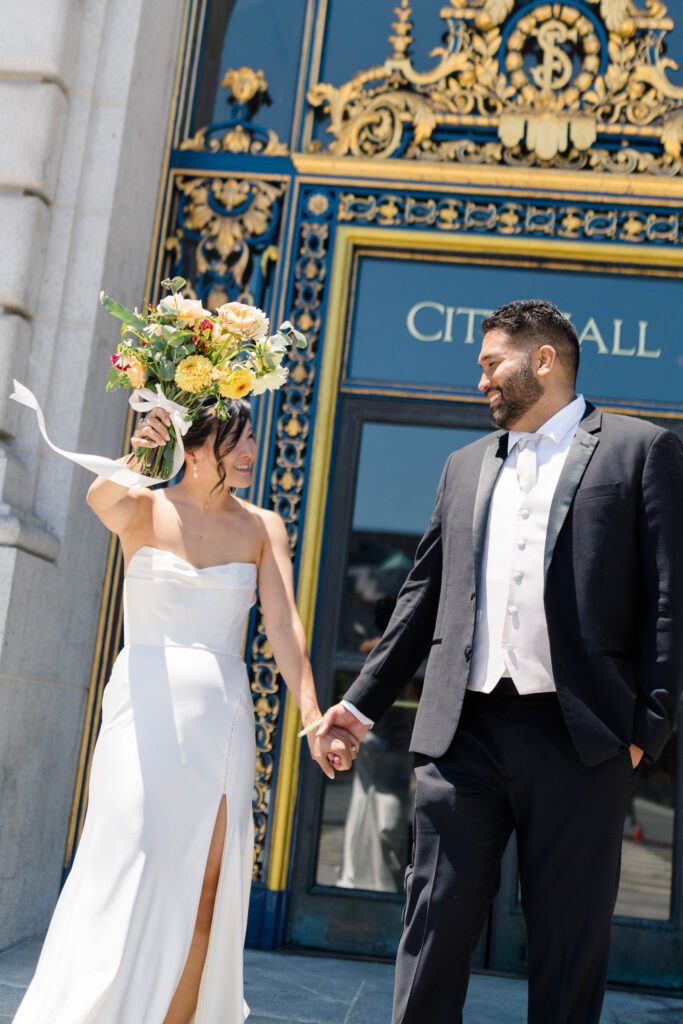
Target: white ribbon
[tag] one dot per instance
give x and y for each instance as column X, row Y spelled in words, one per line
column 141, row 400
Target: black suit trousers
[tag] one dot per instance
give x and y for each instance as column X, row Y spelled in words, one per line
column 512, row 766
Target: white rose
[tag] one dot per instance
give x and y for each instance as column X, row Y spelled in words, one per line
column 271, row 381
column 272, row 350
column 245, row 321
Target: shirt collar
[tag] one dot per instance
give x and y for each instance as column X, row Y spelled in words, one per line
column 559, row 426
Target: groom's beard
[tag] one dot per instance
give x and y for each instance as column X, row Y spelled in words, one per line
column 518, row 394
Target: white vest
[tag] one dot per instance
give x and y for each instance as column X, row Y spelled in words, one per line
column 511, row 634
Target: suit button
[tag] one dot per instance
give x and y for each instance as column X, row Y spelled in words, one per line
column 468, row 653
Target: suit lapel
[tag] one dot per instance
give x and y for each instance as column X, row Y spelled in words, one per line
column 579, row 455
column 494, row 457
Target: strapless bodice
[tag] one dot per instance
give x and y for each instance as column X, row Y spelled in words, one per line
column 168, row 602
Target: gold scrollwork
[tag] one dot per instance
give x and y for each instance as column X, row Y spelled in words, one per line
column 223, row 241
column 509, row 218
column 542, row 78
column 223, row 226
column 286, row 489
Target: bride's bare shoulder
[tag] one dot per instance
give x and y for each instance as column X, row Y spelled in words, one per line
column 269, row 522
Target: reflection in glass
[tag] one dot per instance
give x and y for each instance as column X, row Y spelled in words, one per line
column 647, row 851
column 366, row 834
column 365, row 837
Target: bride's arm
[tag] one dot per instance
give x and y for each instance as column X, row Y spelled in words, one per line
column 120, row 508
column 288, row 641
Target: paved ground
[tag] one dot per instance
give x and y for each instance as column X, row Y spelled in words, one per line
column 285, row 989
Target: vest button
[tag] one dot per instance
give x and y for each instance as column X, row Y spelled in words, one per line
column 468, row 653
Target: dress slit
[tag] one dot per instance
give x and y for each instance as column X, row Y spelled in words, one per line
column 177, row 737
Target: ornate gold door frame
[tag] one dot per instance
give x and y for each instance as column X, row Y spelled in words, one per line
column 477, row 148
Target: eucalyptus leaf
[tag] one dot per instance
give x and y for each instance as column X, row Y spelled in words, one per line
column 173, row 284
column 121, row 313
column 167, row 369
column 116, row 379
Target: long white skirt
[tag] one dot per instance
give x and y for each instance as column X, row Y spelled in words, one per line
column 177, row 733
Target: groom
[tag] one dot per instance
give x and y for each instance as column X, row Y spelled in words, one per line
column 547, row 593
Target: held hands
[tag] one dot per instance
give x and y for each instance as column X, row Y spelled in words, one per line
column 336, row 750
column 338, row 717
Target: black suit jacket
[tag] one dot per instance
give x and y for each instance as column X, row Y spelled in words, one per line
column 613, row 591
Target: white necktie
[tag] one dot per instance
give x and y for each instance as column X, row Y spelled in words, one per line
column 527, row 464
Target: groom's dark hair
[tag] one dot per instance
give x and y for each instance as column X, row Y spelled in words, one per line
column 534, row 322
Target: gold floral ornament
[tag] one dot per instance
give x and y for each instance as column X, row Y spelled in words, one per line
column 223, row 225
column 244, row 83
column 541, row 77
column 246, row 90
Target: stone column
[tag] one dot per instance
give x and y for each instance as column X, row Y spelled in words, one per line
column 85, row 94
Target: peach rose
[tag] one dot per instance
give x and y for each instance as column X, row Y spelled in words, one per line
column 188, row 311
column 242, row 320
column 133, row 367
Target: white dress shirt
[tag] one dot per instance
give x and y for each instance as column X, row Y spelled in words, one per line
column 511, row 633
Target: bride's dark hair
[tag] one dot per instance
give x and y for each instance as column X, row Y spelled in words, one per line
column 226, row 432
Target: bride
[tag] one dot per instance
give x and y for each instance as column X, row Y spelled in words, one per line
column 149, row 928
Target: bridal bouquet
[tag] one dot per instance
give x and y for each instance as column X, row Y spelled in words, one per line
column 179, row 354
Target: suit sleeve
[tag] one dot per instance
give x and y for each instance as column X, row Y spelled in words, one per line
column 407, row 638
column 660, row 653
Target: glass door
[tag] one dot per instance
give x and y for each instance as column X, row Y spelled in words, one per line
column 355, row 833
column 647, row 931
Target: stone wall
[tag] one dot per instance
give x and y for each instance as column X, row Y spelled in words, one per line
column 85, row 93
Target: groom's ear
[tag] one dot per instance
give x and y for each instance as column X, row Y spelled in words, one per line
column 546, row 360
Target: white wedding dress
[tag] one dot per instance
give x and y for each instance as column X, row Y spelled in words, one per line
column 177, row 733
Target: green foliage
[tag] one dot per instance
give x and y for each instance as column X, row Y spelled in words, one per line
column 287, row 331
column 173, row 284
column 117, row 379
column 166, row 369
column 121, row 313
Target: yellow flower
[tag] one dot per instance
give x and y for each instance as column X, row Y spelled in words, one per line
column 235, row 383
column 194, row 373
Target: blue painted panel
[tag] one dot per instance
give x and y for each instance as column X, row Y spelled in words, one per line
column 383, row 502
column 265, row 35
column 417, row 322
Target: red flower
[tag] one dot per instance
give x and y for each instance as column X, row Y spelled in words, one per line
column 201, row 331
column 116, row 360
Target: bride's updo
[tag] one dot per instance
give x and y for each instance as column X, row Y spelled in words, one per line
column 225, row 433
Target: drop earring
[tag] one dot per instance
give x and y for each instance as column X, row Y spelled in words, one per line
column 195, row 472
